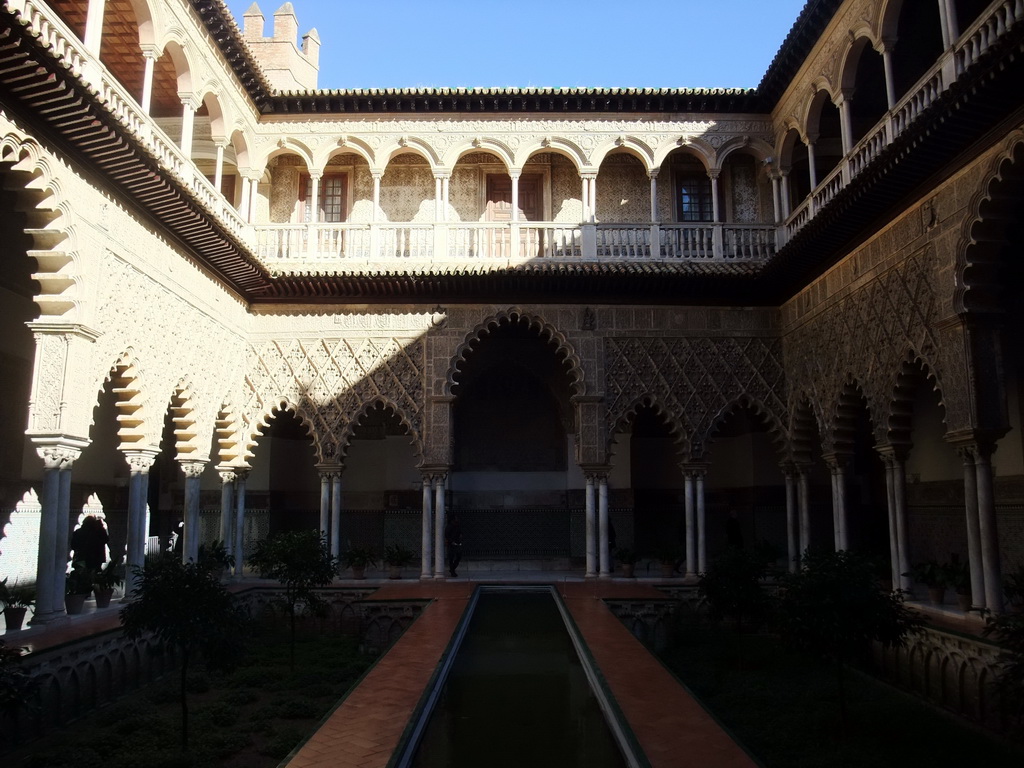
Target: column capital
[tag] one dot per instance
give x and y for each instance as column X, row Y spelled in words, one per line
column 652, row 173
column 63, row 329
column 330, row 471
column 836, row 460
column 58, row 451
column 141, row 459
column 893, row 451
column 315, row 173
column 192, row 468
column 189, row 100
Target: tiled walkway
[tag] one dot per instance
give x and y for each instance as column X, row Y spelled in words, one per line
column 670, row 726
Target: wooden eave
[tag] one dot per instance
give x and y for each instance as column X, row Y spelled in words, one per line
column 67, row 113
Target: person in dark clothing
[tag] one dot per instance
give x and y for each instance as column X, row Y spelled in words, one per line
column 733, row 532
column 453, row 543
column 89, row 543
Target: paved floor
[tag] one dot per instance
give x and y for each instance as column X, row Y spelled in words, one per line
column 670, row 726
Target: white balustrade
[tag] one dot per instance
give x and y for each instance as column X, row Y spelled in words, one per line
column 687, row 241
column 624, row 241
column 748, row 242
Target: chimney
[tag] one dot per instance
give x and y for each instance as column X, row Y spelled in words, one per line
column 311, row 47
column 286, row 26
column 252, row 23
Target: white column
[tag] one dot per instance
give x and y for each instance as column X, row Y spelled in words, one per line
column 835, row 509
column 63, row 529
column 786, row 208
column 812, row 166
column 239, row 549
column 427, row 528
column 335, row 537
column 845, row 123
column 593, row 197
column 515, row 197
column 602, row 517
column 139, row 464
column 715, row 214
column 701, row 522
column 149, row 57
column 804, row 501
column 973, row 532
column 987, row 529
column 585, row 198
column 244, row 204
column 899, row 485
column 791, row 518
column 218, row 172
column 46, row 560
column 193, row 470
column 445, row 189
column 890, row 80
column 254, row 188
column 691, row 550
column 227, row 505
column 437, row 198
column 314, row 199
column 93, row 32
column 894, row 552
column 188, row 118
column 654, row 195
column 375, row 213
column 947, row 17
column 325, row 500
column 591, row 542
column 439, row 523
column 777, row 197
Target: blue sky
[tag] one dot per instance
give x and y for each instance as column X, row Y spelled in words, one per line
column 533, row 43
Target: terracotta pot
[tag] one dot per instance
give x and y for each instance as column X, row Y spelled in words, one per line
column 14, row 616
column 103, row 596
column 74, row 604
column 358, row 571
column 936, row 595
column 627, row 569
column 394, row 571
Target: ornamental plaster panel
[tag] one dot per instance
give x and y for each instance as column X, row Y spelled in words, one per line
column 329, row 381
column 866, row 337
column 566, row 191
column 623, row 190
column 696, row 380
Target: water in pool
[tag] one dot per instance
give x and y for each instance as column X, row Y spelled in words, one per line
column 517, row 695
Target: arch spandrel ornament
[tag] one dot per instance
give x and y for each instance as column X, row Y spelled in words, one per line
column 345, row 438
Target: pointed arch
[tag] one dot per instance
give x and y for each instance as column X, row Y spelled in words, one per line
column 678, row 429
column 135, row 423
column 388, row 405
column 260, row 422
column 546, row 332
column 913, row 374
column 776, row 428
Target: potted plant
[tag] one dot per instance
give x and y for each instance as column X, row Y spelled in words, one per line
column 358, row 558
column 1014, row 588
column 668, row 558
column 958, row 576
column 397, row 557
column 627, row 561
column 215, row 558
column 105, row 579
column 932, row 575
column 77, row 587
column 16, row 600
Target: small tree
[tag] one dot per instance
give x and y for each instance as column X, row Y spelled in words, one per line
column 189, row 610
column 1008, row 630
column 732, row 586
column 835, row 608
column 301, row 561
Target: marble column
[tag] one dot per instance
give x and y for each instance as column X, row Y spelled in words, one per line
column 691, row 548
column 973, row 532
column 193, row 471
column 987, row 529
column 227, row 504
column 50, row 561
column 603, row 523
column 93, row 36
column 804, row 502
column 698, row 489
column 149, row 57
column 899, row 477
column 139, row 464
column 439, row 523
column 335, row 533
column 591, row 528
column 188, row 118
column 890, row 497
column 426, row 538
column 890, row 80
column 812, row 166
column 239, row 548
column 792, row 544
column 325, row 500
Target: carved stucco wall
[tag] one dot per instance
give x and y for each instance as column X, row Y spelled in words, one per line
column 889, row 301
column 623, row 190
column 566, row 188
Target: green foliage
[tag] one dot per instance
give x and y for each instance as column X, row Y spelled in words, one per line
column 833, row 607
column 79, row 579
column 215, row 556
column 929, row 572
column 627, row 556
column 958, row 574
column 16, row 687
column 187, row 609
column 397, row 555
column 17, row 595
column 301, row 562
column 358, row 557
column 111, row 575
column 1008, row 630
column 1014, row 586
column 732, row 587
column 668, row 555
